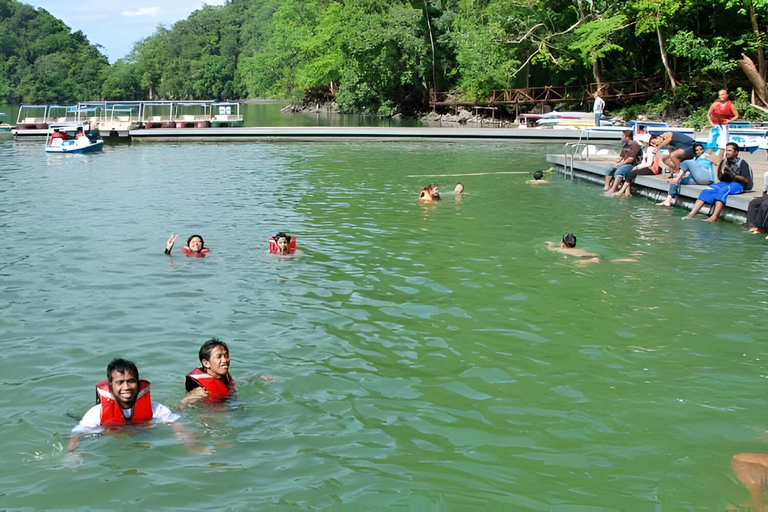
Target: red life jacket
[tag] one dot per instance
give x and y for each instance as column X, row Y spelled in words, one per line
column 721, row 112
column 188, row 252
column 217, row 390
column 112, row 413
column 275, row 249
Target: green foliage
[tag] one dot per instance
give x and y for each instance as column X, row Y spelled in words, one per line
column 706, row 55
column 593, row 39
column 41, row 61
column 382, row 56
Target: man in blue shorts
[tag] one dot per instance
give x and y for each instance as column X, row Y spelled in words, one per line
column 734, row 177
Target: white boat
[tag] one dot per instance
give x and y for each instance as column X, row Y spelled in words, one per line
column 72, row 138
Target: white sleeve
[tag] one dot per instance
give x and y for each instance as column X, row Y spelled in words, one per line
column 163, row 414
column 91, row 422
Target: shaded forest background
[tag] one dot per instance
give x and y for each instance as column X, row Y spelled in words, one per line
column 382, row 57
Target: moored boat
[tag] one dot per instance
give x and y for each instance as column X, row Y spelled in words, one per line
column 72, row 138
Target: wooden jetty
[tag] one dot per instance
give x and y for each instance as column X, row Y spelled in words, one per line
column 370, row 133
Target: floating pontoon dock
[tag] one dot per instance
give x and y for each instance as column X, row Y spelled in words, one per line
column 319, row 133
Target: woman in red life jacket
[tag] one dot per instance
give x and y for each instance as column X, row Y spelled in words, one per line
column 211, row 381
column 195, row 247
column 282, row 244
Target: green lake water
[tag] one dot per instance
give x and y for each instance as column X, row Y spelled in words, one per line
column 427, row 357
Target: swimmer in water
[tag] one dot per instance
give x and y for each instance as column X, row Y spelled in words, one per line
column 195, row 247
column 429, row 193
column 459, row 188
column 567, row 246
column 538, row 179
column 282, row 242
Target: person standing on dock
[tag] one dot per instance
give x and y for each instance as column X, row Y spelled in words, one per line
column 598, row 108
column 720, row 113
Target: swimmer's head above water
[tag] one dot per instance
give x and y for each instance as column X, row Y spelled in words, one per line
column 283, row 241
column 569, row 240
column 538, row 175
column 429, row 193
column 195, row 243
column 459, row 188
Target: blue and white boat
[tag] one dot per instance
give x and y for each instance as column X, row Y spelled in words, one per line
column 72, row 138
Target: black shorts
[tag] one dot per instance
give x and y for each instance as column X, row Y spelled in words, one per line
column 688, row 153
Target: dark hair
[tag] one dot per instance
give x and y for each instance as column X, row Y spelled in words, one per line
column 734, row 146
column 207, row 348
column 538, row 175
column 120, row 365
column 282, row 235
column 628, row 134
column 698, row 145
column 202, row 242
column 641, row 127
column 569, row 239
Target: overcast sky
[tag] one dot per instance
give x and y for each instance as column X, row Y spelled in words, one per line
column 117, row 24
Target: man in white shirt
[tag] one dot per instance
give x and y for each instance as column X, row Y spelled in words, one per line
column 598, row 108
column 124, row 399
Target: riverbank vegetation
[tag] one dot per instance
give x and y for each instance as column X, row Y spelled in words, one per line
column 383, row 56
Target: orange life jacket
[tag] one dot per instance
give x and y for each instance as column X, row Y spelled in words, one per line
column 217, row 390
column 188, row 252
column 112, row 413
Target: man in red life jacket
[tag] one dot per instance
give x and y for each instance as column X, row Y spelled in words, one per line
column 124, row 399
column 211, row 381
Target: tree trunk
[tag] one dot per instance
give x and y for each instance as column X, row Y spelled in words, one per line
column 761, row 67
column 665, row 58
column 753, row 74
column 598, row 76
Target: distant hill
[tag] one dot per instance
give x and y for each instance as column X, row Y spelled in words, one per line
column 42, row 61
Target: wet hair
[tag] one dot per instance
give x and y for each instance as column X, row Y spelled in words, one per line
column 734, row 146
column 120, row 365
column 538, row 175
column 458, row 183
column 698, row 145
column 202, row 242
column 282, row 235
column 207, row 348
column 569, row 239
column 628, row 134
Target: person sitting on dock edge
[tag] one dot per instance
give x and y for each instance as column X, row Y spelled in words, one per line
column 734, row 177
column 699, row 171
column 757, row 211
column 681, row 148
column 627, row 157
